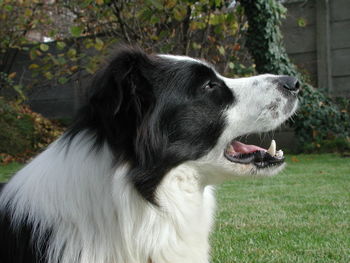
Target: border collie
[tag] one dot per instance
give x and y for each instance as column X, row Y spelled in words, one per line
column 131, row 180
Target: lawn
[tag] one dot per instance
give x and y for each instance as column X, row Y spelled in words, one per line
column 6, row 171
column 301, row 215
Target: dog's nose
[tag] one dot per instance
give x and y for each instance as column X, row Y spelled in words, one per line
column 290, row 83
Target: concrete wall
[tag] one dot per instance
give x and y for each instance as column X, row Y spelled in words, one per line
column 322, row 46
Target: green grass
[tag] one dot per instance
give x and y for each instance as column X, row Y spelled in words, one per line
column 6, row 171
column 301, row 215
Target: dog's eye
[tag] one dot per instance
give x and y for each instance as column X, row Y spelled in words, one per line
column 210, row 86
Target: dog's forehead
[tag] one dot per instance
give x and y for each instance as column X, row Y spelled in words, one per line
column 186, row 59
column 190, row 60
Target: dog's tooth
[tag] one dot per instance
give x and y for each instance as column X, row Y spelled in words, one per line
column 279, row 154
column 230, row 149
column 272, row 148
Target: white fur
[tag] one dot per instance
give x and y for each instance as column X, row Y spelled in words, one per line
column 103, row 216
column 249, row 114
column 92, row 208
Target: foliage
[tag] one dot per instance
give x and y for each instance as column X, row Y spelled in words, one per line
column 319, row 118
column 321, row 123
column 23, row 132
column 28, row 26
column 84, row 31
column 17, row 19
column 165, row 26
column 8, row 84
column 202, row 28
column 15, row 131
column 264, row 39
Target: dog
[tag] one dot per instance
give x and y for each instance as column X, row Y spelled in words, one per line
column 132, row 180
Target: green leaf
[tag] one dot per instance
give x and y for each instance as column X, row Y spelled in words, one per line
column 32, row 53
column 76, row 31
column 301, row 22
column 91, row 67
column 196, row 45
column 180, row 12
column 33, row 66
column 166, row 48
column 156, row 3
column 28, row 12
column 85, row 4
column 44, row 47
column 146, row 14
column 48, row 75
column 99, row 44
column 71, row 52
column 154, row 19
column 221, row 50
column 215, row 19
column 8, row 8
column 170, row 3
column 217, row 3
column 163, row 34
column 61, row 60
column 19, row 90
column 60, row 45
column 52, row 33
column 62, row 80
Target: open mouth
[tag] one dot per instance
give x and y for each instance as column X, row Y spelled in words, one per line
column 251, row 154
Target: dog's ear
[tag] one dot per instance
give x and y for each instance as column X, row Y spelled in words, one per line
column 122, row 87
column 120, row 97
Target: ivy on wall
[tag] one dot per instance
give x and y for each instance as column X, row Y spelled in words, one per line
column 319, row 120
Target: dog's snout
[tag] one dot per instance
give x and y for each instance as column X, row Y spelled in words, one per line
column 289, row 83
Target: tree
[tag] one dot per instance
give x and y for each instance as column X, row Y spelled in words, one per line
column 203, row 28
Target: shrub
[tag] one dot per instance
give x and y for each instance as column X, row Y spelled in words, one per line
column 23, row 132
column 321, row 124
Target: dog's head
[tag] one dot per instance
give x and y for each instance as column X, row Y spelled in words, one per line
column 158, row 111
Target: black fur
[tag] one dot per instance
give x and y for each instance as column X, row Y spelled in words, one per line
column 17, row 245
column 155, row 113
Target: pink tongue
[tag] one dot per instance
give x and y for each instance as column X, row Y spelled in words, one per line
column 244, row 148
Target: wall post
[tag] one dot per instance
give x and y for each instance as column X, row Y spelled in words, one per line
column 324, row 70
